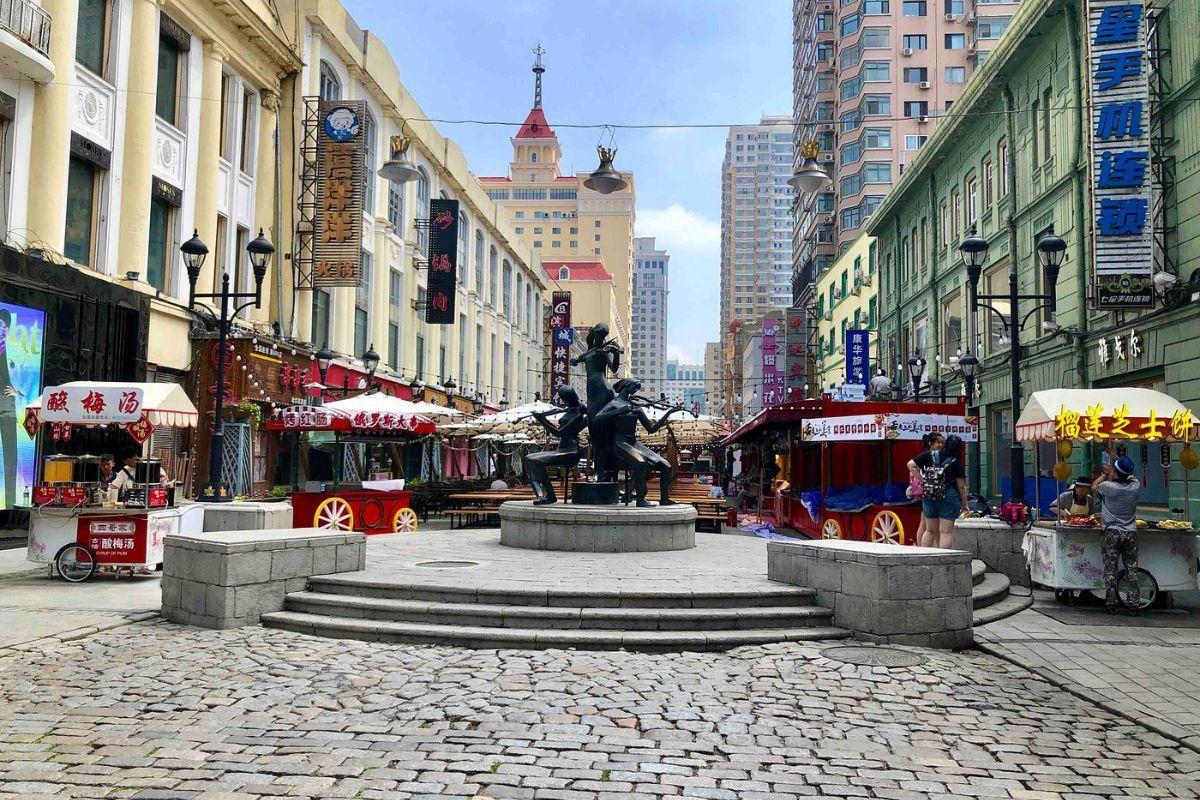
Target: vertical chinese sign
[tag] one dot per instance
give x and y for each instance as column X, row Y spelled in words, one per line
column 443, row 261
column 858, row 357
column 337, row 224
column 562, row 336
column 21, row 334
column 1120, row 138
column 772, row 374
column 795, row 337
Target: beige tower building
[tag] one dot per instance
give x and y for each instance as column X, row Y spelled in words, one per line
column 560, row 219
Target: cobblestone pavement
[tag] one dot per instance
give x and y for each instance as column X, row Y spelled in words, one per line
column 159, row 711
column 1148, row 672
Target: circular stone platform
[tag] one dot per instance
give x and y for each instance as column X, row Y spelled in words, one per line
column 597, row 529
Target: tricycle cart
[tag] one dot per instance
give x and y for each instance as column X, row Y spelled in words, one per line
column 379, row 505
column 1066, row 555
column 77, row 524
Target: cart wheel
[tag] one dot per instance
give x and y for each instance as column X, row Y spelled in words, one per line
column 75, row 562
column 831, row 529
column 887, row 528
column 1147, row 588
column 334, row 513
column 404, row 521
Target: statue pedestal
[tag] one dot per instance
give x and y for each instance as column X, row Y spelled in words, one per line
column 605, row 493
column 597, row 529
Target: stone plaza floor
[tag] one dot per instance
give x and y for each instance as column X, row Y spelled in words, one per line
column 155, row 710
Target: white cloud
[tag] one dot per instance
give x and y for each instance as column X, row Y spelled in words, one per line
column 679, row 229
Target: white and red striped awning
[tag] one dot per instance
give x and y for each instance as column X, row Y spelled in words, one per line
column 1093, row 414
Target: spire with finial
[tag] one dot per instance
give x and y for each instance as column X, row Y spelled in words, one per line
column 538, row 69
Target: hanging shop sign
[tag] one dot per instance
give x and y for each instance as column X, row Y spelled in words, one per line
column 858, row 356
column 795, row 337
column 337, row 223
column 1120, row 148
column 772, row 364
column 877, row 427
column 92, row 406
column 562, row 336
column 443, row 261
column 1098, row 422
column 1119, row 348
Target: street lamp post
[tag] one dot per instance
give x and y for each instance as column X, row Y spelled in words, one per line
column 968, row 365
column 916, row 368
column 325, row 357
column 1051, row 250
column 194, row 252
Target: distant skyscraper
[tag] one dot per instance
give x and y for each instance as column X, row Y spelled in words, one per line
column 649, row 356
column 685, row 385
column 756, row 227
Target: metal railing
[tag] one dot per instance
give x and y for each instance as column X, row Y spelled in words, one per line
column 28, row 22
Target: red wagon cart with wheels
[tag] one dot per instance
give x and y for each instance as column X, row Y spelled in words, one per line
column 377, row 425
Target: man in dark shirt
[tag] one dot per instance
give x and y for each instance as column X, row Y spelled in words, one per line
column 1119, row 493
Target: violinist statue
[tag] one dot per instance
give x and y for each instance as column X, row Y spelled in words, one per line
column 601, row 356
column 574, row 419
column 623, row 413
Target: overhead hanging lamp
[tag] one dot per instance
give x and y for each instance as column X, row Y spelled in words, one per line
column 399, row 168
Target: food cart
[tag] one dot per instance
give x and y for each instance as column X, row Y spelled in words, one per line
column 369, row 505
column 78, row 526
column 1066, row 554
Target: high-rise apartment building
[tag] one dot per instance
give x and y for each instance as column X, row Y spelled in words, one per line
column 560, row 219
column 649, row 353
column 714, row 391
column 869, row 81
column 756, row 226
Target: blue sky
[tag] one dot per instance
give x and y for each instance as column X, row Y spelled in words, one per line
column 623, row 61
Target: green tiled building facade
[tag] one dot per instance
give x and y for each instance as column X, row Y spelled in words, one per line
column 1011, row 158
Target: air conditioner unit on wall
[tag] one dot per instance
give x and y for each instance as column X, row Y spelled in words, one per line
column 906, row 51
column 924, row 84
column 827, row 156
column 922, row 118
column 950, row 18
column 970, row 16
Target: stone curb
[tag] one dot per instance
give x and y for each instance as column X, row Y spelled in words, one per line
column 1152, row 724
column 75, row 634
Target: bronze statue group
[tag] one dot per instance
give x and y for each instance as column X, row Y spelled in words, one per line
column 612, row 416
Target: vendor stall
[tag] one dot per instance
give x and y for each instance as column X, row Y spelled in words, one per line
column 80, row 521
column 1066, row 554
column 376, row 502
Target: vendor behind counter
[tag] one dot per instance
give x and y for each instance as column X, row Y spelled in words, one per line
column 1076, row 501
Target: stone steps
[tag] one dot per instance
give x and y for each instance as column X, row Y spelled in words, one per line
column 992, row 589
column 978, row 570
column 1006, row 607
column 772, row 595
column 530, row 638
column 493, row 615
column 992, row 597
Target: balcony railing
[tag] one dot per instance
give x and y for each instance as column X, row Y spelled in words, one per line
column 27, row 22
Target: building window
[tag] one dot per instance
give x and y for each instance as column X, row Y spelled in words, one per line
column 877, row 7
column 955, row 213
column 464, row 238
column 161, row 245
column 532, row 157
column 360, row 330
column 420, row 371
column 479, row 357
column 914, row 8
column 876, row 104
column 331, row 85
column 1002, row 159
column 396, row 207
column 972, row 200
column 944, row 223
column 956, row 74
column 320, row 316
column 916, row 74
column 849, row 25
column 91, row 35
column 916, row 108
column 1046, row 97
column 564, row 273
column 986, row 170
column 83, row 207
column 170, row 80
column 508, row 276
column 916, row 41
column 991, row 27
column 422, row 206
column 494, row 274
column 876, row 71
column 914, row 141
column 478, row 263
column 393, row 360
column 1034, row 120
column 370, row 159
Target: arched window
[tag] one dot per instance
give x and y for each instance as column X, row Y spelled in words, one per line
column 564, row 274
column 494, row 274
column 464, row 239
column 422, row 206
column 508, row 309
column 370, row 159
column 533, row 158
column 478, row 263
column 331, row 84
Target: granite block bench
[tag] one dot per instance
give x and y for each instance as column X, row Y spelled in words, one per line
column 883, row 592
column 231, row 578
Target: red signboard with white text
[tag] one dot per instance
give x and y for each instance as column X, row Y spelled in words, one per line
column 114, row 539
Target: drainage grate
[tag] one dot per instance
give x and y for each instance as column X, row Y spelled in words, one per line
column 447, row 564
column 873, row 656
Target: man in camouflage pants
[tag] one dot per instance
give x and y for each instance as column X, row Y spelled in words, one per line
column 1119, row 491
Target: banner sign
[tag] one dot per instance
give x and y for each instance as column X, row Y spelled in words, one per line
column 878, row 427
column 1119, row 83
column 21, row 336
column 337, row 223
column 1097, row 422
column 443, row 261
column 772, row 364
column 83, row 405
column 795, row 338
column 115, row 539
column 562, row 336
column 858, row 357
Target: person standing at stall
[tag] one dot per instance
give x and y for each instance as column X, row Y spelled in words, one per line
column 1119, row 492
column 930, row 442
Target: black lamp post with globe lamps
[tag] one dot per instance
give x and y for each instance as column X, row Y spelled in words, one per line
column 916, row 369
column 968, row 366
column 325, row 357
column 1051, row 250
column 194, row 252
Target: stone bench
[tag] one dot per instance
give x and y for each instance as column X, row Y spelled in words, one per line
column 995, row 543
column 883, row 592
column 231, row 578
column 247, row 515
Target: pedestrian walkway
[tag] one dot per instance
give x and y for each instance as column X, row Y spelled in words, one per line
column 1146, row 667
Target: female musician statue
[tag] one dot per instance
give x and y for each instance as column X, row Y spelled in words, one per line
column 600, row 357
column 625, row 411
column 574, row 418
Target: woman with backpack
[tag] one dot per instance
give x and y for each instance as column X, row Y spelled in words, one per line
column 930, row 441
column 943, row 490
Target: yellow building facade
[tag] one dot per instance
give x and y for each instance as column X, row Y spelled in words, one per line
column 847, row 298
column 560, row 219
